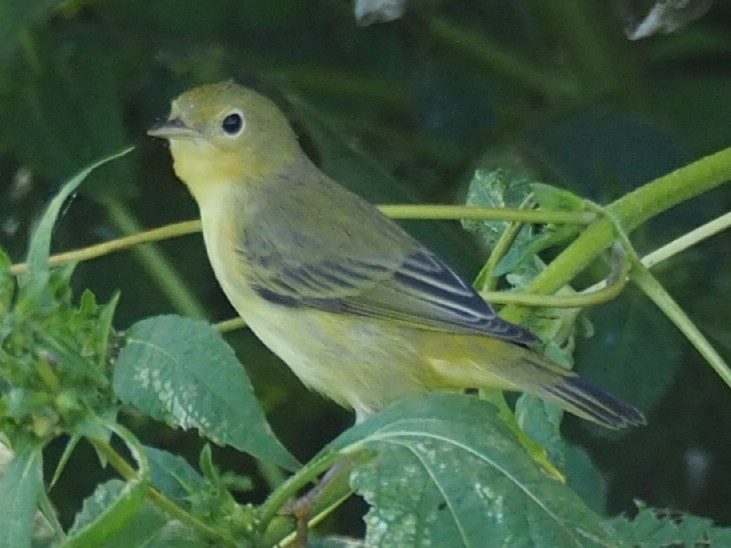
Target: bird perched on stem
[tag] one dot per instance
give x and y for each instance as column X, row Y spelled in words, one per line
column 359, row 310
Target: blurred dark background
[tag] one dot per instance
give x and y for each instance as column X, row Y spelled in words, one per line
column 400, row 112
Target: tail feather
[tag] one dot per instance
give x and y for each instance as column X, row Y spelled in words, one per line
column 491, row 363
column 589, row 402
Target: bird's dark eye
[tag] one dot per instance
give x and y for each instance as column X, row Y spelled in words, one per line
column 232, row 123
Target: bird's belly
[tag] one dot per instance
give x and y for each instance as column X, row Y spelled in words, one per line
column 357, row 362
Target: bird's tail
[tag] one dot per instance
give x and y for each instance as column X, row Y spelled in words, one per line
column 492, row 363
column 585, row 400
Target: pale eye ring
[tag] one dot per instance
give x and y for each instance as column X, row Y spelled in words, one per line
column 233, row 123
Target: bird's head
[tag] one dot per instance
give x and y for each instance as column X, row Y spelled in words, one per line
column 226, row 134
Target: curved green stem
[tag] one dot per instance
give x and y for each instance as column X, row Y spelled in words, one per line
column 600, row 293
column 630, row 211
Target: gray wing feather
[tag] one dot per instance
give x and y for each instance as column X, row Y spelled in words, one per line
column 341, row 266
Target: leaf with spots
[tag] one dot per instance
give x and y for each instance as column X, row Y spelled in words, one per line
column 182, row 371
column 448, row 472
column 670, row 528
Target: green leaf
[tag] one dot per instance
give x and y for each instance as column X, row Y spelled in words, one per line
column 20, row 490
column 450, row 473
column 182, row 371
column 105, row 326
column 658, row 527
column 585, row 478
column 496, row 188
column 35, row 280
column 114, row 505
column 112, row 517
column 7, row 283
column 173, row 476
column 63, row 460
column 509, row 188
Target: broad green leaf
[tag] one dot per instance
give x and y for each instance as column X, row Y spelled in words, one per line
column 114, row 505
column 654, row 527
column 113, row 516
column 496, row 188
column 35, row 280
column 20, row 489
column 585, row 478
column 448, row 472
column 541, row 422
column 509, row 188
column 173, row 476
column 182, row 371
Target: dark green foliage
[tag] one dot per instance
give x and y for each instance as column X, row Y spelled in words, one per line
column 457, row 102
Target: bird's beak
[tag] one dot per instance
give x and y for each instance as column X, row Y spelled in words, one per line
column 173, row 128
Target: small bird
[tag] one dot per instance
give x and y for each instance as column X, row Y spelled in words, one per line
column 359, row 310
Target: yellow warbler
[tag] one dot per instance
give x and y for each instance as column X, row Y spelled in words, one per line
column 360, row 311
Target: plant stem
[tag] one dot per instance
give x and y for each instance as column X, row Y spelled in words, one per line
column 485, row 281
column 406, row 211
column 657, row 294
column 105, row 248
column 231, row 324
column 687, row 240
column 129, row 473
column 289, row 489
column 599, row 293
column 630, row 211
column 278, row 530
column 480, row 213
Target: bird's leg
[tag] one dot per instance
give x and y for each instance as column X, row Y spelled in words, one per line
column 318, row 497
